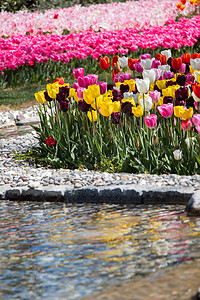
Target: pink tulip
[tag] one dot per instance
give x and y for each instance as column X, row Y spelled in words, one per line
column 79, row 72
column 186, row 125
column 92, row 78
column 182, row 68
column 197, row 128
column 196, row 119
column 75, row 85
column 155, row 64
column 155, row 96
column 138, row 67
column 166, row 110
column 151, row 121
column 80, row 92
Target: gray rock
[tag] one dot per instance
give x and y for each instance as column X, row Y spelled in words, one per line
column 193, row 205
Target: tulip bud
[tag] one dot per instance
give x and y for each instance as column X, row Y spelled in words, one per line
column 177, row 154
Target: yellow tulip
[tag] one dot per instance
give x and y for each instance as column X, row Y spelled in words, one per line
column 178, row 110
column 76, row 97
column 71, row 92
column 97, row 102
column 117, row 84
column 198, row 78
column 92, row 116
column 131, row 100
column 137, row 111
column 187, row 113
column 131, row 83
column 53, row 89
column 161, row 84
column 94, row 90
column 40, row 97
column 170, row 91
column 106, row 108
column 88, row 97
column 116, row 106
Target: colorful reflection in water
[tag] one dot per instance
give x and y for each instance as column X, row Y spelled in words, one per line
column 65, row 251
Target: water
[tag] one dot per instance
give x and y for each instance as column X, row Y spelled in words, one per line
column 64, row 251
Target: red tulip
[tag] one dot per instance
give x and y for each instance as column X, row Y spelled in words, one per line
column 104, row 63
column 186, row 125
column 195, row 55
column 50, row 141
column 131, row 63
column 176, row 63
column 196, row 90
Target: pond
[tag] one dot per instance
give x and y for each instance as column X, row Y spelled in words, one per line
column 68, row 251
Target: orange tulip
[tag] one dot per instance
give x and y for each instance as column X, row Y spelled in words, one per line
column 104, row 63
column 161, row 58
column 186, row 58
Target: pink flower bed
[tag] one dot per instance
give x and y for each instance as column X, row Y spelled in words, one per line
column 112, row 16
column 21, row 49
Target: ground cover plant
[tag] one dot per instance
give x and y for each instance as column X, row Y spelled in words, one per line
column 148, row 123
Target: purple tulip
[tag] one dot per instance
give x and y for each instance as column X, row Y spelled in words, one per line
column 84, row 82
column 138, row 67
column 167, row 99
column 168, row 75
column 46, row 96
column 155, row 64
column 126, row 108
column 103, row 87
column 145, row 56
column 115, row 117
column 181, row 79
column 84, row 107
column 124, row 88
column 182, row 93
column 64, row 105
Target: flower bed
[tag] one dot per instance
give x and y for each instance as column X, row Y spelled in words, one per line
column 112, row 16
column 139, row 124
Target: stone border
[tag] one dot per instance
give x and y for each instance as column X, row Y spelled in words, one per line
column 113, row 194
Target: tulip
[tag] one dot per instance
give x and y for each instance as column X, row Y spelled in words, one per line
column 196, row 119
column 92, row 115
column 40, row 97
column 124, row 88
column 197, row 128
column 147, row 102
column 137, row 111
column 84, row 107
column 164, row 68
column 177, row 154
column 79, row 72
column 155, row 63
column 197, row 76
column 103, row 87
column 189, row 77
column 168, row 75
column 64, row 105
column 127, row 108
column 115, row 117
column 186, row 58
column 166, row 110
column 196, row 93
column 195, row 55
column 151, row 74
column 131, row 63
column 104, row 63
column 182, row 68
column 181, row 80
column 178, row 111
column 187, row 113
column 143, row 85
column 123, row 61
column 138, row 67
column 47, row 96
column 145, row 56
column 195, row 63
column 158, row 73
column 122, row 77
column 151, row 121
column 92, row 78
column 84, row 82
column 176, row 63
column 182, row 93
column 161, row 58
column 50, row 141
column 53, row 89
column 186, row 125
column 131, row 83
column 106, row 108
column 189, row 141
column 155, row 96
column 167, row 53
column 168, row 99
column 146, row 64
column 80, row 92
column 116, row 106
column 76, row 85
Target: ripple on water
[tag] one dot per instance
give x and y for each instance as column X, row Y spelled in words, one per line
column 58, row 251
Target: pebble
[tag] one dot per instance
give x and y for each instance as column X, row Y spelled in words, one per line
column 20, row 173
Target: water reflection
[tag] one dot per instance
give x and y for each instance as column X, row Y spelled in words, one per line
column 59, row 251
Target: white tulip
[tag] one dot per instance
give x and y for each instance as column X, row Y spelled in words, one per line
column 164, row 68
column 123, row 61
column 195, row 63
column 128, row 95
column 143, row 85
column 167, row 53
column 196, row 75
column 147, row 102
column 146, row 63
column 151, row 74
column 189, row 141
column 177, row 154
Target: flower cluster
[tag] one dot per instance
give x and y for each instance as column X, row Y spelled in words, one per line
column 111, row 16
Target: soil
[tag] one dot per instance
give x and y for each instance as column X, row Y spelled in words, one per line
column 19, row 106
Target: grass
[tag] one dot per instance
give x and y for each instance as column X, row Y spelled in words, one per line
column 23, row 96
